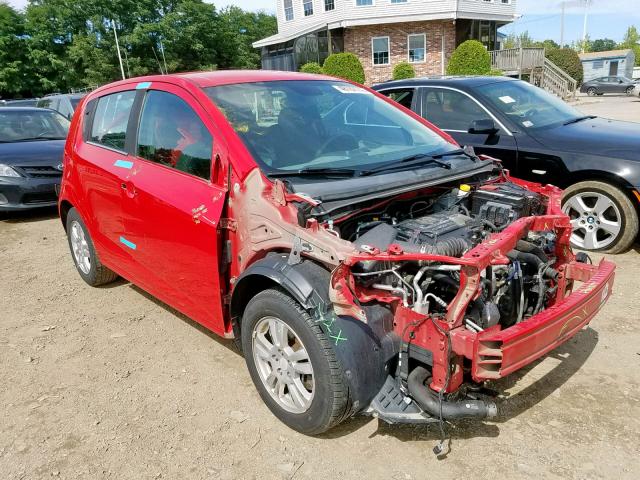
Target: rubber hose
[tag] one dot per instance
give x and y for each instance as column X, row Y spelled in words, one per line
column 429, row 402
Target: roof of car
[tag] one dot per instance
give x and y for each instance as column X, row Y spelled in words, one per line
column 219, row 77
column 443, row 80
column 24, row 109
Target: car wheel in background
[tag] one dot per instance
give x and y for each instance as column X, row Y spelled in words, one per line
column 591, row 91
column 629, row 90
column 84, row 253
column 602, row 216
column 292, row 364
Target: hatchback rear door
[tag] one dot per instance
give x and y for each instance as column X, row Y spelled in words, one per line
column 172, row 207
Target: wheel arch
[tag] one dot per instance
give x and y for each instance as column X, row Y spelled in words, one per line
column 64, row 208
column 605, row 177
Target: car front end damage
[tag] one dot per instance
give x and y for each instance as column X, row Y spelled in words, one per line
column 462, row 316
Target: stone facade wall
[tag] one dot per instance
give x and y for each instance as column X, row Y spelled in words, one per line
column 358, row 40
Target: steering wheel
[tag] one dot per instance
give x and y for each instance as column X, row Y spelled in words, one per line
column 327, row 143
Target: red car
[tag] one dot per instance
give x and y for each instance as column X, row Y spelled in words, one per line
column 362, row 259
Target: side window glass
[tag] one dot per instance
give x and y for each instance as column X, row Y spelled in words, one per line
column 403, row 96
column 451, row 110
column 172, row 134
column 110, row 121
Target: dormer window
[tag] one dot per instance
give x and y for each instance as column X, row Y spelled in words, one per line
column 307, row 7
column 288, row 10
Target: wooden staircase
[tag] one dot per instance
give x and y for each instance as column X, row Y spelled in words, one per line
column 539, row 70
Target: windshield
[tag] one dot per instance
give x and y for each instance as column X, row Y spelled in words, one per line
column 296, row 125
column 31, row 125
column 527, row 105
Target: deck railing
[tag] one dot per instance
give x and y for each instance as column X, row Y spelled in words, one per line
column 517, row 59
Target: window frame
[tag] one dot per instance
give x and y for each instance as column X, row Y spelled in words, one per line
column 304, row 13
column 424, row 47
column 373, row 62
column 290, row 9
column 333, row 2
column 372, row 4
column 91, row 108
column 398, row 2
column 422, row 91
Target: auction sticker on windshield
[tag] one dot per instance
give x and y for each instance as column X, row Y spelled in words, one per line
column 346, row 88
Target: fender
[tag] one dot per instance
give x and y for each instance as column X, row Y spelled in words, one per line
column 363, row 349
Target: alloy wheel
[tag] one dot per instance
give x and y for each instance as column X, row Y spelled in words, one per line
column 283, row 364
column 591, row 91
column 80, row 248
column 595, row 218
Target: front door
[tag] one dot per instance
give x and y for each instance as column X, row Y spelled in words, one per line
column 174, row 208
column 613, row 68
column 453, row 111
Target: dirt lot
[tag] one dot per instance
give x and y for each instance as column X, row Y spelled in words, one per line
column 108, row 383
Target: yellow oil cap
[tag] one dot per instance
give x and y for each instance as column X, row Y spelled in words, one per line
column 465, row 188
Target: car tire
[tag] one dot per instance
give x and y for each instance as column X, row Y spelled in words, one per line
column 591, row 91
column 84, row 253
column 273, row 319
column 608, row 210
column 629, row 90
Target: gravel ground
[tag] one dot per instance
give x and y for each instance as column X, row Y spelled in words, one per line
column 110, row 383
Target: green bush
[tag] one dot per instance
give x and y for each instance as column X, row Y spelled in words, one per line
column 470, row 58
column 569, row 61
column 311, row 67
column 403, row 70
column 344, row 65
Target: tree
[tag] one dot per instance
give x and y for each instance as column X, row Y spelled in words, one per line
column 631, row 40
column 344, row 65
column 523, row 40
column 547, row 44
column 470, row 58
column 12, row 53
column 403, row 70
column 569, row 61
column 603, row 45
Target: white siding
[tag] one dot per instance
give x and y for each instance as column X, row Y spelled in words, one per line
column 625, row 67
column 383, row 11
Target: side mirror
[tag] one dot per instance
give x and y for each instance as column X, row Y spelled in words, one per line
column 485, row 126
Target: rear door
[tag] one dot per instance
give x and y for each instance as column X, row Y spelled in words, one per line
column 101, row 163
column 173, row 209
column 454, row 110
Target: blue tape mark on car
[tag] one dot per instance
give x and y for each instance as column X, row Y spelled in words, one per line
column 123, row 164
column 129, row 244
column 143, row 85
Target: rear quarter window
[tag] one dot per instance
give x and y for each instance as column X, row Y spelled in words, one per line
column 111, row 119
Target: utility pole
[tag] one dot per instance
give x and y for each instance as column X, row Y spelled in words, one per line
column 584, row 26
column 563, row 4
column 164, row 60
column 113, row 24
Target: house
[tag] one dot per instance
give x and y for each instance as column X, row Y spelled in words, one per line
column 381, row 33
column 608, row 64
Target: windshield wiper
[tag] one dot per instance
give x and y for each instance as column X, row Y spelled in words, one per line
column 579, row 119
column 312, row 172
column 412, row 160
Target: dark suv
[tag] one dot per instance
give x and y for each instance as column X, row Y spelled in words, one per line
column 65, row 104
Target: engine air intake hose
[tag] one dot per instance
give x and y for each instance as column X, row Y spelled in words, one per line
column 450, row 247
column 428, row 400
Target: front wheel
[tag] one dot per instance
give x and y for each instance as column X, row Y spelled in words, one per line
column 602, row 216
column 292, row 364
column 591, row 91
column 629, row 90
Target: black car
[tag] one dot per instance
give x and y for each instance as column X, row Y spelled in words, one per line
column 22, row 102
column 541, row 138
column 599, row 86
column 31, row 146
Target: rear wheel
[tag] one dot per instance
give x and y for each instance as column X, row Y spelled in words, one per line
column 84, row 253
column 591, row 91
column 293, row 364
column 629, row 90
column 602, row 216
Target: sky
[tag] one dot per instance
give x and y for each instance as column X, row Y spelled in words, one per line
column 541, row 18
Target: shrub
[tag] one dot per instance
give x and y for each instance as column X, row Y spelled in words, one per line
column 569, row 61
column 470, row 58
column 311, row 67
column 403, row 70
column 344, row 65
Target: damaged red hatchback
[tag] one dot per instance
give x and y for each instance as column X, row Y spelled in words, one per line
column 362, row 259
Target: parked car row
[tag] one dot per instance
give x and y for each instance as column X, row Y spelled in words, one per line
column 363, row 261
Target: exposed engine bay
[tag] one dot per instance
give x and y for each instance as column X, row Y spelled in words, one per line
column 451, row 224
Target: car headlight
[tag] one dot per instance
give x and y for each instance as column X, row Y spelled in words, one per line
column 7, row 171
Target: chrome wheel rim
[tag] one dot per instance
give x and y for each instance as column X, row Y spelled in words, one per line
column 595, row 218
column 283, row 364
column 80, row 248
